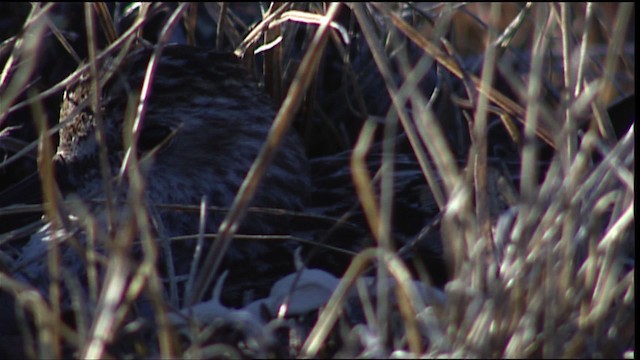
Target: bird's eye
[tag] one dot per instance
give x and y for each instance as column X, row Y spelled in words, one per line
column 152, row 136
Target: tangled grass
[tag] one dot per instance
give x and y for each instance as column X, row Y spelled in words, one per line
column 551, row 274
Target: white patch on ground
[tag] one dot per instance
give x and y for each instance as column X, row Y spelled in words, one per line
column 305, row 292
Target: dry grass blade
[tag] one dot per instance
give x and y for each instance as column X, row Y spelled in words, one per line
column 253, row 36
column 329, row 315
column 106, row 21
column 362, row 179
column 24, row 53
column 117, row 270
column 479, row 148
column 273, row 60
column 122, row 43
column 545, row 132
column 280, row 126
column 613, row 53
column 399, row 104
column 463, row 184
column 51, row 197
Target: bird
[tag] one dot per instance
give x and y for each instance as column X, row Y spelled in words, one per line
column 205, row 122
column 206, row 118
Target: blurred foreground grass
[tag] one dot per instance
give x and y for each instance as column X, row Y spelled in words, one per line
column 550, row 276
